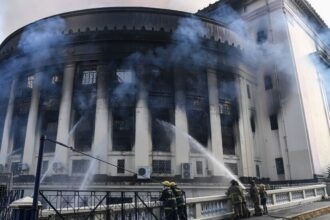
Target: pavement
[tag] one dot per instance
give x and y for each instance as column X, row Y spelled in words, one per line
column 316, row 211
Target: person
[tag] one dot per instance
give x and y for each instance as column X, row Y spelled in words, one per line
column 245, row 209
column 254, row 195
column 263, row 197
column 180, row 201
column 169, row 201
column 235, row 195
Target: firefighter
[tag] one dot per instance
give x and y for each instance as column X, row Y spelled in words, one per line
column 169, row 202
column 235, row 195
column 180, row 201
column 254, row 195
column 263, row 197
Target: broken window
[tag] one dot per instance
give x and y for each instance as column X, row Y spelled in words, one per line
column 161, row 136
column 18, row 131
column 49, row 128
column 84, row 129
column 123, row 130
column 199, row 125
column 228, row 135
column 161, row 166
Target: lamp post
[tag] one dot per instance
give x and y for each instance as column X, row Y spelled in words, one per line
column 35, row 214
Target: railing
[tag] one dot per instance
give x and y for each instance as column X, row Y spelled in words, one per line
column 146, row 205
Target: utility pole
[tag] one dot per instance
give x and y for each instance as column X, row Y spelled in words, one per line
column 35, row 214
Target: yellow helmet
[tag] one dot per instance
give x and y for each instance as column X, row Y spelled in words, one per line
column 166, row 183
column 173, row 183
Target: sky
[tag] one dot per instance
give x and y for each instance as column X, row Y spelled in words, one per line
column 17, row 13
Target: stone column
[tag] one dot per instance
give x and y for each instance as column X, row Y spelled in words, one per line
column 63, row 127
column 215, row 120
column 29, row 152
column 244, row 128
column 143, row 141
column 182, row 147
column 101, row 136
column 7, row 124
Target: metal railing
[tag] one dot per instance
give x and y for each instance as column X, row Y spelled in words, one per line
column 146, row 205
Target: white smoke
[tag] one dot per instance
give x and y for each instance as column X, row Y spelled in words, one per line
column 18, row 13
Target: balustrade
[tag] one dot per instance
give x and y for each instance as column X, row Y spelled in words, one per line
column 215, row 207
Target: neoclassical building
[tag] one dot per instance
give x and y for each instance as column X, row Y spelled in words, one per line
column 111, row 82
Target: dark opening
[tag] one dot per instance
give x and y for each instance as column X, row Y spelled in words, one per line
column 268, row 82
column 123, row 128
column 273, row 122
column 233, row 167
column 49, row 128
column 121, row 166
column 258, row 170
column 228, row 135
column 199, row 167
column 161, row 138
column 84, row 130
column 248, row 91
column 279, row 165
column 252, row 123
column 261, row 36
column 199, row 125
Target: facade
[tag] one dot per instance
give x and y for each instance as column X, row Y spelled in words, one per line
column 111, row 82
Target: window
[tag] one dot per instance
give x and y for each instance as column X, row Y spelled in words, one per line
column 248, row 91
column 261, row 37
column 232, row 167
column 80, row 166
column 258, row 170
column 49, row 128
column 88, row 77
column 227, row 133
column 161, row 138
column 273, row 122
column 120, row 166
column 44, row 166
column 84, row 133
column 56, row 79
column 16, row 168
column 125, row 76
column 199, row 167
column 30, row 81
column 199, row 125
column 279, row 165
column 19, row 131
column 123, row 129
column 161, row 166
column 253, row 125
column 268, row 82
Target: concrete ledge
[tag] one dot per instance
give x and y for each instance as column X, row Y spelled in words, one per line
column 311, row 214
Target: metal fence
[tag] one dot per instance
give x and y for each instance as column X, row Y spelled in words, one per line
column 66, row 204
column 6, row 198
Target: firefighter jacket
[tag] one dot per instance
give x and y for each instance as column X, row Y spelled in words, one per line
column 235, row 194
column 254, row 194
column 168, row 199
column 179, row 196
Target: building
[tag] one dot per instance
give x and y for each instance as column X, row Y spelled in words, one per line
column 110, row 82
